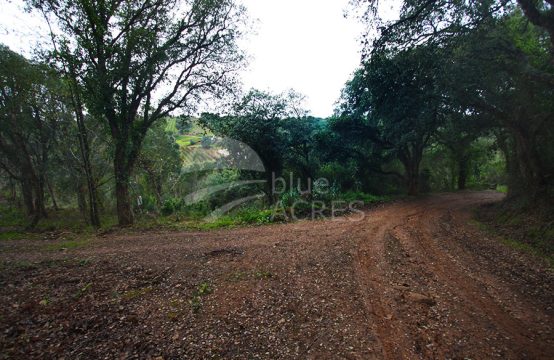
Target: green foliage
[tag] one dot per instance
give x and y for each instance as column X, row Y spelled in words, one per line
column 540, row 244
column 68, row 245
column 367, row 199
column 247, row 216
column 137, row 293
column 82, row 291
column 171, row 206
column 203, row 289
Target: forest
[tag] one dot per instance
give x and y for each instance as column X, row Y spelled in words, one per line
column 130, row 120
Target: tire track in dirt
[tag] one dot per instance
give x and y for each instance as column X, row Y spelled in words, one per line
column 429, row 304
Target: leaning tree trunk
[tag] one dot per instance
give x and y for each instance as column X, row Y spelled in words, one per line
column 82, row 202
column 40, row 209
column 52, row 197
column 40, row 205
column 85, row 154
column 27, row 193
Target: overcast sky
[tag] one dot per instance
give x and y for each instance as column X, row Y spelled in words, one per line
column 305, row 45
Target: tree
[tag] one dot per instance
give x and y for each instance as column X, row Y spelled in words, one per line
column 492, row 79
column 301, row 137
column 457, row 134
column 257, row 120
column 439, row 20
column 138, row 61
column 396, row 101
column 502, row 67
column 31, row 109
column 159, row 158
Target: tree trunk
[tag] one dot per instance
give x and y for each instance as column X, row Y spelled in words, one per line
column 13, row 192
column 51, row 192
column 529, row 164
column 40, row 210
column 413, row 185
column 462, row 173
column 158, row 191
column 85, row 155
column 124, row 211
column 27, row 193
column 411, row 168
column 82, row 203
column 84, row 145
column 40, row 206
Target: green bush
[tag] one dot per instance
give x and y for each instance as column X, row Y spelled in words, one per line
column 289, row 198
column 254, row 216
column 171, row 206
column 352, row 196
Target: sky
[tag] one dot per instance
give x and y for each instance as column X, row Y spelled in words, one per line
column 305, row 45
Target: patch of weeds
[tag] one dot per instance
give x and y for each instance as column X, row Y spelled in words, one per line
column 258, row 274
column 195, row 303
column 222, row 222
column 173, row 315
column 262, row 274
column 238, row 275
column 13, row 235
column 84, row 262
column 514, row 244
column 67, row 245
column 82, row 291
column 24, row 265
column 45, row 301
column 176, row 309
column 202, row 290
column 175, row 303
column 52, row 263
column 136, row 293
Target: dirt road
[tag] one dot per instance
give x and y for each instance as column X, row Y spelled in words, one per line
column 414, row 279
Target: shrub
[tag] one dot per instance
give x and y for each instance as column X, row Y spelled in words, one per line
column 171, row 206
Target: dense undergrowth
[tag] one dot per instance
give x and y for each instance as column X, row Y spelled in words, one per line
column 174, row 215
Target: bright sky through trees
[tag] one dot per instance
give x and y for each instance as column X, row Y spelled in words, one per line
column 306, row 45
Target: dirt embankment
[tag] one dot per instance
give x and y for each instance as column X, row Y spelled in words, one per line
column 412, row 280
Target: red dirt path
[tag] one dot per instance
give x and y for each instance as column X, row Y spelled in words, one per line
column 414, row 279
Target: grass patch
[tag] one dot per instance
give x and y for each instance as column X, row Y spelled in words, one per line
column 258, row 274
column 68, row 245
column 263, row 274
column 137, row 293
column 14, row 235
column 19, row 265
column 367, row 199
column 515, row 244
column 188, row 140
